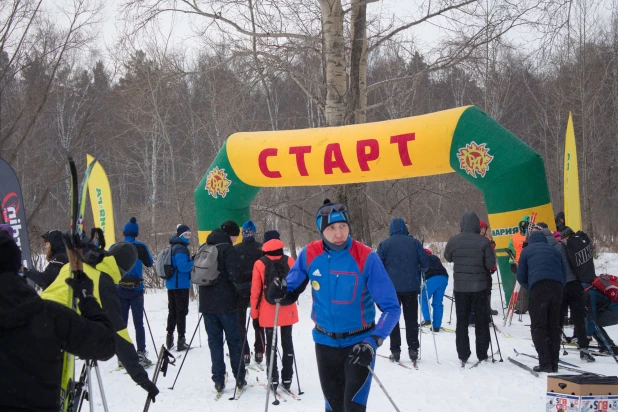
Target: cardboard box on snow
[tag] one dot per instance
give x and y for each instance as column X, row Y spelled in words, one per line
column 579, row 393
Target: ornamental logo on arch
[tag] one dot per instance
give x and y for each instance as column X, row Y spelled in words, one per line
column 475, row 158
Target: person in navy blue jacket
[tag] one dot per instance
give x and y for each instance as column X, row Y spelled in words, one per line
column 542, row 272
column 131, row 289
column 436, row 280
column 347, row 280
column 404, row 258
column 178, row 286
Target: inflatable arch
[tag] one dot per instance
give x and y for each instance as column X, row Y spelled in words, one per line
column 464, row 140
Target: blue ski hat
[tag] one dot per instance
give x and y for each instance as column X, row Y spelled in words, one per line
column 131, row 228
column 248, row 229
column 331, row 213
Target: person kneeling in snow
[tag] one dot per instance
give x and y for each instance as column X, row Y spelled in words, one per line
column 348, row 279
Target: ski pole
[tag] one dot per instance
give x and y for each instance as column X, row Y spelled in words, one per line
column 242, row 351
column 500, row 289
column 383, row 389
column 433, row 334
column 451, row 315
column 491, row 345
column 187, row 352
column 297, row 378
column 602, row 337
column 564, row 353
column 496, row 335
column 199, row 333
column 420, row 333
column 150, row 330
column 273, row 345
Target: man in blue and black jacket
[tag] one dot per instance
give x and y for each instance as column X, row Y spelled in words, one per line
column 131, row 289
column 404, row 258
column 347, row 280
column 542, row 271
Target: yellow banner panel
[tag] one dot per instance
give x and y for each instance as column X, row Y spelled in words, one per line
column 505, row 225
column 392, row 149
column 101, row 201
column 572, row 205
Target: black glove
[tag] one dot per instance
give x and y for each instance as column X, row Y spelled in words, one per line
column 277, row 289
column 362, row 353
column 524, row 245
column 514, row 268
column 82, row 285
column 193, row 256
column 151, row 388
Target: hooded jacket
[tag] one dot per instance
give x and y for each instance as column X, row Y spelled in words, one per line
column 435, row 268
column 540, row 261
column 182, row 264
column 105, row 277
column 59, row 259
column 260, row 308
column 403, row 257
column 33, row 332
column 471, row 254
column 552, row 241
column 346, row 286
column 221, row 297
column 248, row 251
column 144, row 258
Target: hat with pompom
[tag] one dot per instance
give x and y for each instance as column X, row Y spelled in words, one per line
column 131, row 228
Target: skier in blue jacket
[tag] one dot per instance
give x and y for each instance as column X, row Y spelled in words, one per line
column 178, row 286
column 347, row 280
column 131, row 289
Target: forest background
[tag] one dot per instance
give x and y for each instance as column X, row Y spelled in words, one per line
column 156, row 108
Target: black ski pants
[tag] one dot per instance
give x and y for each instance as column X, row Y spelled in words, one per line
column 243, row 303
column 178, row 309
column 287, row 357
column 345, row 386
column 465, row 303
column 545, row 309
column 573, row 298
column 409, row 304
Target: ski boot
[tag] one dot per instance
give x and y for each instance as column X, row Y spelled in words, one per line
column 219, row 386
column 395, row 356
column 494, row 312
column 182, row 343
column 247, row 358
column 539, row 368
column 287, row 384
column 169, row 341
column 259, row 357
column 241, row 383
column 426, row 323
column 585, row 355
column 436, row 329
column 413, row 355
column 143, row 358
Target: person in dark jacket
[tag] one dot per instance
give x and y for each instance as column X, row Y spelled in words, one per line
column 542, row 272
column 560, row 222
column 404, row 258
column 131, row 289
column 219, row 305
column 178, row 286
column 34, row 332
column 56, row 256
column 573, row 298
column 436, row 280
column 248, row 251
column 473, row 257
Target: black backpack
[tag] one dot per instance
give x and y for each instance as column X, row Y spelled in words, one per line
column 579, row 251
column 277, row 268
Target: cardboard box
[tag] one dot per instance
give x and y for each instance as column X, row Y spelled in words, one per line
column 582, row 393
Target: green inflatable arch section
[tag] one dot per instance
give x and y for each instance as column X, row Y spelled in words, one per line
column 513, row 185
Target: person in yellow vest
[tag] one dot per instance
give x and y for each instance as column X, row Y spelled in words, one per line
column 105, row 276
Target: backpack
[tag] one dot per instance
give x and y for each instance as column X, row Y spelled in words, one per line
column 205, row 270
column 608, row 284
column 579, row 251
column 277, row 268
column 163, row 265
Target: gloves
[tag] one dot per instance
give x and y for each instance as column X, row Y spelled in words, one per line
column 363, row 353
column 524, row 245
column 193, row 256
column 151, row 388
column 277, row 289
column 82, row 285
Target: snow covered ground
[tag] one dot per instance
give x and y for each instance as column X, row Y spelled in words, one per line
column 435, row 386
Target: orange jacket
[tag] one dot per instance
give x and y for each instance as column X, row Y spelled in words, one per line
column 518, row 244
column 288, row 315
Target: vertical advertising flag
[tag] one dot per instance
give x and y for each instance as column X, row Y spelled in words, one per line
column 572, row 206
column 101, row 201
column 13, row 210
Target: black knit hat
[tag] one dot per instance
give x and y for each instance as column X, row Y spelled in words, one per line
column 271, row 234
column 180, row 229
column 231, row 228
column 125, row 254
column 566, row 233
column 330, row 213
column 10, row 255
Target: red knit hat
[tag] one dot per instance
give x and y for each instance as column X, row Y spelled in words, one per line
column 483, row 224
column 428, row 251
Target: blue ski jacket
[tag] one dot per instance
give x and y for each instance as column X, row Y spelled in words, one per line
column 144, row 258
column 345, row 286
column 182, row 263
column 403, row 257
column 540, row 261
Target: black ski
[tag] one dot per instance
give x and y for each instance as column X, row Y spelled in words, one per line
column 537, row 358
column 521, row 365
